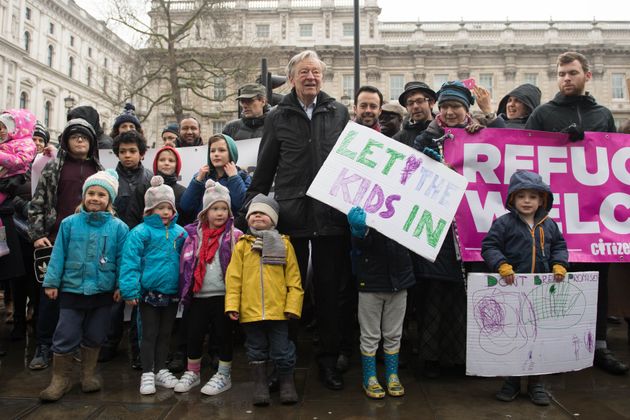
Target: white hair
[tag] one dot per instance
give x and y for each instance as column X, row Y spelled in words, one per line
column 304, row 55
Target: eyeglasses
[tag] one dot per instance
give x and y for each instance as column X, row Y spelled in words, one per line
column 78, row 137
column 418, row 101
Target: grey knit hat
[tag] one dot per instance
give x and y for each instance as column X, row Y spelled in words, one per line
column 264, row 204
column 157, row 194
column 215, row 192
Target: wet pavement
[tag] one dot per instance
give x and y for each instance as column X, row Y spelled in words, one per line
column 588, row 394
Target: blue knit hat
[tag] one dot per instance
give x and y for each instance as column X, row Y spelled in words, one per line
column 128, row 115
column 107, row 179
column 455, row 91
column 171, row 128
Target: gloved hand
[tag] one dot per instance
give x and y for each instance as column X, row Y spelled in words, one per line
column 574, row 131
column 559, row 272
column 356, row 219
column 507, row 272
column 432, row 154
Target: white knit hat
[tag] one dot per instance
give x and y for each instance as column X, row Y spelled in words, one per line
column 107, row 179
column 266, row 205
column 157, row 194
column 214, row 192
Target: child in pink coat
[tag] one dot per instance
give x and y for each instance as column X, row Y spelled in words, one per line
column 17, row 148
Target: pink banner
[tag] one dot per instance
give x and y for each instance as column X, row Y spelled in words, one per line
column 590, row 180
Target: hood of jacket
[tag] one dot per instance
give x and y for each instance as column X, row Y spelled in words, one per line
column 85, row 126
column 24, row 123
column 90, row 115
column 526, row 180
column 526, row 93
column 232, row 150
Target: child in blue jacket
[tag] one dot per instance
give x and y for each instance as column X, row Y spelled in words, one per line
column 82, row 274
column 150, row 279
column 526, row 240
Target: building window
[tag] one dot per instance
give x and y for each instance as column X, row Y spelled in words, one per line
column 219, row 89
column 306, row 29
column 28, row 13
column 72, row 40
column 89, row 76
column 51, row 54
column 51, row 28
column 618, row 86
column 217, row 126
column 439, row 80
column 348, row 85
column 485, row 80
column 23, row 100
column 90, row 52
column 27, row 41
column 105, row 62
column 47, row 113
column 531, row 78
column 348, row 29
column 70, row 67
column 396, row 85
column 262, row 31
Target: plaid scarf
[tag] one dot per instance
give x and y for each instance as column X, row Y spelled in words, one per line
column 271, row 246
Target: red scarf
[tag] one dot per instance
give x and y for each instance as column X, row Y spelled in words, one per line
column 207, row 251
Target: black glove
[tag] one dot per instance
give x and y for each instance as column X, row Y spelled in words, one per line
column 575, row 133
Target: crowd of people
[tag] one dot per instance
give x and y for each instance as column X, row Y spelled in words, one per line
column 227, row 252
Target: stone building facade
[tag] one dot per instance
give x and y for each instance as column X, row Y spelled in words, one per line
column 499, row 55
column 87, row 60
column 53, row 56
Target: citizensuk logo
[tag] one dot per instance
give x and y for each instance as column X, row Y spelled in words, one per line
column 610, row 248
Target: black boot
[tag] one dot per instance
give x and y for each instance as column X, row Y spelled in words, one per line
column 288, row 394
column 260, row 395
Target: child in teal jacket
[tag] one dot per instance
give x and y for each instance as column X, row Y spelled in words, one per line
column 82, row 274
column 150, row 279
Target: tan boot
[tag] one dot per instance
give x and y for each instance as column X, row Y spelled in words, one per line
column 89, row 381
column 60, row 383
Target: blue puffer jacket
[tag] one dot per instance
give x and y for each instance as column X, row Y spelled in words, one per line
column 151, row 258
column 511, row 240
column 87, row 253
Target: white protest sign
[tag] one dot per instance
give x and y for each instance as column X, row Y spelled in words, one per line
column 407, row 196
column 535, row 326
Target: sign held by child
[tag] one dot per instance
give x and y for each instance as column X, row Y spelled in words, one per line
column 533, row 326
column 407, row 195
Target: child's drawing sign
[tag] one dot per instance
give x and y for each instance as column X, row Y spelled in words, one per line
column 534, row 326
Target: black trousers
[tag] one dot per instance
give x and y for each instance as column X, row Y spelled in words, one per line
column 333, row 290
column 209, row 310
column 157, row 324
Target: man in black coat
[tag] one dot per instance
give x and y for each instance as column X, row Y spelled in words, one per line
column 419, row 99
column 573, row 110
column 298, row 136
column 253, row 101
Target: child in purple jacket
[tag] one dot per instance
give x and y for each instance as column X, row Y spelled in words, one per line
column 204, row 260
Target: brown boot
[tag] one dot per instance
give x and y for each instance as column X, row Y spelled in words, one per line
column 60, row 383
column 260, row 396
column 288, row 394
column 89, row 380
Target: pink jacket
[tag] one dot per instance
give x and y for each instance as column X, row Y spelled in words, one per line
column 18, row 151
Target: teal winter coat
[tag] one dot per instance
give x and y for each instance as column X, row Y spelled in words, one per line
column 87, row 253
column 151, row 258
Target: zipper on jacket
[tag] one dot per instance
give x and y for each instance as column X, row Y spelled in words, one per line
column 262, row 289
column 542, row 241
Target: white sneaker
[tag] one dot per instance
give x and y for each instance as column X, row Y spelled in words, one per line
column 188, row 381
column 165, row 379
column 217, row 384
column 147, row 383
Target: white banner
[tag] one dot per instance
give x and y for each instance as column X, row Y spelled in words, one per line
column 407, row 196
column 535, row 326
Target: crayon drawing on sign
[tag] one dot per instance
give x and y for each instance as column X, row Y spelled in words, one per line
column 532, row 326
